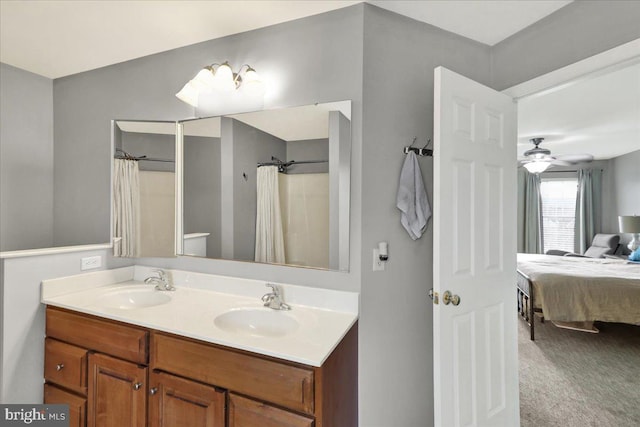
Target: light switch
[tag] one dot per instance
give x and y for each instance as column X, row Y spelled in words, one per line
column 378, row 265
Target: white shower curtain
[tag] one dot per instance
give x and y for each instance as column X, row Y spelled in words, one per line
column 269, row 236
column 126, row 207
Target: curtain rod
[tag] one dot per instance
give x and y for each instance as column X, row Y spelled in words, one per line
column 282, row 166
column 292, row 162
column 127, row 156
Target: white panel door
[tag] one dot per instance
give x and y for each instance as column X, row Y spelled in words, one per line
column 474, row 213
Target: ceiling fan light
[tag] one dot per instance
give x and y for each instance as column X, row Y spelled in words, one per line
column 537, row 166
column 189, row 94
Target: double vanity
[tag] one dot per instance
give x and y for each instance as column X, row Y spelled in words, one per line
column 214, row 351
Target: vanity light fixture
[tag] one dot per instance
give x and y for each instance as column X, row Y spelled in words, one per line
column 220, row 78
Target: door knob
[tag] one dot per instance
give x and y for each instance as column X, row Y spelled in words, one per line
column 137, row 386
column 59, row 366
column 448, row 297
column 153, row 391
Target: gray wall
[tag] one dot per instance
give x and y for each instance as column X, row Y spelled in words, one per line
column 202, row 183
column 626, row 185
column 154, row 145
column 23, row 317
column 396, row 381
column 309, row 149
column 26, row 160
column 574, row 32
column 250, row 146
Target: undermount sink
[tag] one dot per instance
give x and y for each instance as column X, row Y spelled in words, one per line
column 261, row 322
column 134, row 297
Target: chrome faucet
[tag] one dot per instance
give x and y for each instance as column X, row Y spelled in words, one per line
column 162, row 281
column 273, row 299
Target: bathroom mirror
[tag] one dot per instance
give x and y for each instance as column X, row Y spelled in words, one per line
column 271, row 186
column 143, row 192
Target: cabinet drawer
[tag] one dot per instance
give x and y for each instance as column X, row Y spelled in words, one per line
column 118, row 339
column 77, row 405
column 66, row 365
column 269, row 380
column 245, row 412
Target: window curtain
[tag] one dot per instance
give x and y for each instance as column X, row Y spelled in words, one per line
column 529, row 213
column 588, row 203
column 126, row 207
column 269, row 235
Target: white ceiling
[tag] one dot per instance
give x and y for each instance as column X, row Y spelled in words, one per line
column 59, row 38
column 598, row 115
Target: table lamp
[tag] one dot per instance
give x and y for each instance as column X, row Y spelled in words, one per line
column 631, row 224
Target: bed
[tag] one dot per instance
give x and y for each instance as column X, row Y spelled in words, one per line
column 575, row 289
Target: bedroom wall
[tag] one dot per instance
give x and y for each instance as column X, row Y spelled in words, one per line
column 26, row 160
column 626, row 186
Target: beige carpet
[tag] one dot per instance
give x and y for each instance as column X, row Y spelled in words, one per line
column 578, row 379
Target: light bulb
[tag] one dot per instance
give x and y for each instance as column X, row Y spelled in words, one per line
column 252, row 83
column 204, row 80
column 537, row 166
column 223, row 78
column 189, row 94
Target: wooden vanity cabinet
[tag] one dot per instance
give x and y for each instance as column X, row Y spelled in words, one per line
column 101, row 390
column 125, row 375
column 264, row 391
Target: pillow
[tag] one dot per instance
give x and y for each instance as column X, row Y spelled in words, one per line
column 635, row 255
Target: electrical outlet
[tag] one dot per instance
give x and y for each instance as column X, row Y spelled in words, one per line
column 377, row 264
column 91, row 262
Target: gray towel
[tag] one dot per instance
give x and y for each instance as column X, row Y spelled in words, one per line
column 412, row 198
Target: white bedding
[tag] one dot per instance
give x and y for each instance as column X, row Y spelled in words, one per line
column 575, row 289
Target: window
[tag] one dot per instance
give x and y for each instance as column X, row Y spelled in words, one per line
column 558, row 212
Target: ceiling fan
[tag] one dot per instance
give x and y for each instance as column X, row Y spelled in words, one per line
column 539, row 159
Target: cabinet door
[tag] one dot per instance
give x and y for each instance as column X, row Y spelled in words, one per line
column 245, row 412
column 177, row 402
column 117, row 393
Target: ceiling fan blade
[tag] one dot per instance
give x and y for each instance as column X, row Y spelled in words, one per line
column 575, row 158
column 558, row 162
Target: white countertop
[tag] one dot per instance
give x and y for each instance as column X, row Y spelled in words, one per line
column 324, row 316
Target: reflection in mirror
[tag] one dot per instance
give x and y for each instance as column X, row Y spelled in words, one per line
column 143, row 188
column 270, row 186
